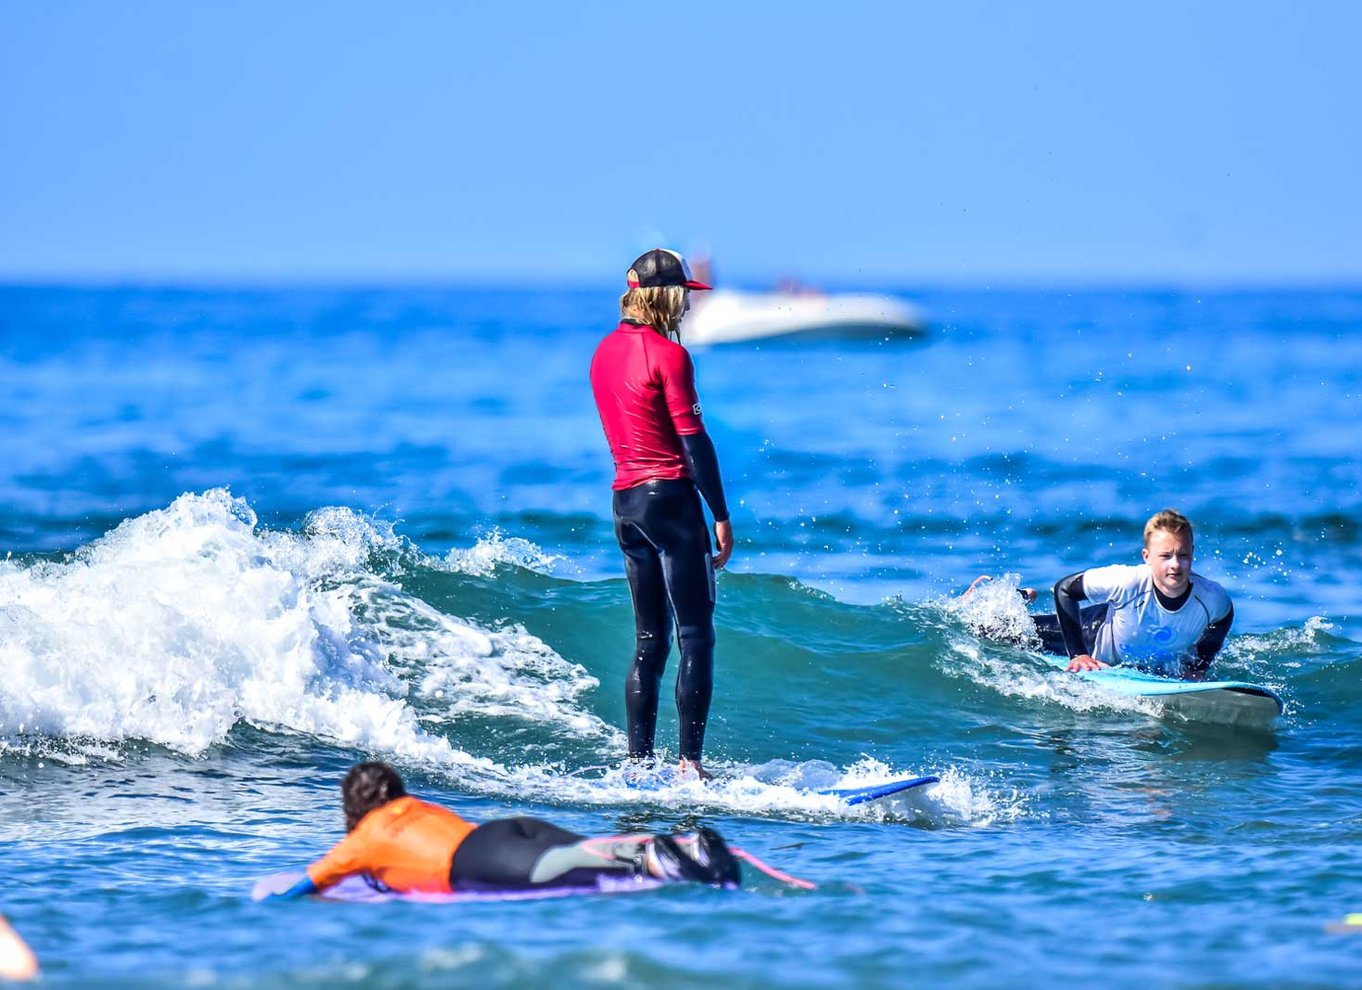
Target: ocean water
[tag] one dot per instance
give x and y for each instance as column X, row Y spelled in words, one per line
column 254, row 536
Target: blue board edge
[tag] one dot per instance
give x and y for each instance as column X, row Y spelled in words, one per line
column 1138, row 683
column 860, row 795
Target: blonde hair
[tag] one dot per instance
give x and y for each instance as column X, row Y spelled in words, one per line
column 661, row 307
column 1169, row 520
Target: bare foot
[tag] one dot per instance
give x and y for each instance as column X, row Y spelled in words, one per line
column 689, row 766
column 1028, row 594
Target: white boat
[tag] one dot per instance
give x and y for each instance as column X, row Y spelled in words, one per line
column 728, row 316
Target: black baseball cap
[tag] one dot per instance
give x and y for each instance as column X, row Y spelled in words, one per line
column 660, row 267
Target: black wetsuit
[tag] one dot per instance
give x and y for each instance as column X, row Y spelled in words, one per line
column 644, row 387
column 532, row 854
column 523, row 853
column 1051, row 632
column 661, row 529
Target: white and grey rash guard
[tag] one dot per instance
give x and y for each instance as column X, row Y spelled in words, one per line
column 1142, row 627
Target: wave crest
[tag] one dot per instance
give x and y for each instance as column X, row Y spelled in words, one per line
column 183, row 622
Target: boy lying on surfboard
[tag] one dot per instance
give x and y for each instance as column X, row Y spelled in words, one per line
column 1160, row 615
column 403, row 844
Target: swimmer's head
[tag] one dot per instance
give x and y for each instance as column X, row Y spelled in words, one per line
column 368, row 786
column 660, row 283
column 1170, row 521
column 1168, row 552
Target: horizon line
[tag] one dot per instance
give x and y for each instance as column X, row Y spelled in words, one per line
column 376, row 281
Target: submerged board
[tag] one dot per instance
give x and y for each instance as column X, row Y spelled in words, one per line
column 357, row 890
column 1231, row 702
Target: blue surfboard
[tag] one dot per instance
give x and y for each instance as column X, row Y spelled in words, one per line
column 860, row 795
column 1230, row 702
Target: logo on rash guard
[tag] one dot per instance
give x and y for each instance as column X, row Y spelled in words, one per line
column 695, row 409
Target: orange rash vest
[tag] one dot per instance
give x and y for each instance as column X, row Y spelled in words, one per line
column 407, row 845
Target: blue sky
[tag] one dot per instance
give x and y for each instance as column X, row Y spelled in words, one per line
column 878, row 143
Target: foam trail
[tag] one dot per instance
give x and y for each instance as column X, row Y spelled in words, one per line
column 779, row 789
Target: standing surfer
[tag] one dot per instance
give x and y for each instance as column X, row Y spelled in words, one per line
column 644, row 385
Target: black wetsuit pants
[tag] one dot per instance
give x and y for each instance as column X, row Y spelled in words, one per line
column 660, row 526
column 526, row 853
column 1052, row 637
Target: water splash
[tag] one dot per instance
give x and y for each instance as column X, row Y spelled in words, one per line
column 482, row 559
column 778, row 789
column 994, row 609
column 182, row 623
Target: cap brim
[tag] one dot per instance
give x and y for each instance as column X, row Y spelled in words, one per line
column 689, row 284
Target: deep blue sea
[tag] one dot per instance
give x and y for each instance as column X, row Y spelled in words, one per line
column 254, row 536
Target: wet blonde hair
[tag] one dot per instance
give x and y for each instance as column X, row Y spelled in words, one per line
column 1169, row 520
column 661, row 306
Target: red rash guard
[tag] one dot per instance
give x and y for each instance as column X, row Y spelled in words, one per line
column 644, row 385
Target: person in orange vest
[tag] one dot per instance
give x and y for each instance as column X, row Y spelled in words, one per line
column 403, row 844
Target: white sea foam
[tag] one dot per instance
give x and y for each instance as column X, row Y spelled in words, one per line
column 1254, row 648
column 1008, row 674
column 996, row 614
column 995, row 610
column 780, row 789
column 482, row 558
column 469, row 670
column 183, row 622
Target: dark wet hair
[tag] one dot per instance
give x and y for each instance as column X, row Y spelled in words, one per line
column 368, row 786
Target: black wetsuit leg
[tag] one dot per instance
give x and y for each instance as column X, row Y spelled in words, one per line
column 1052, row 637
column 661, row 529
column 500, row 855
column 522, row 853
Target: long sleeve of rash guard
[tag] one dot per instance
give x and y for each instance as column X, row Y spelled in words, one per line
column 302, row 888
column 1210, row 642
column 1068, row 593
column 704, row 471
